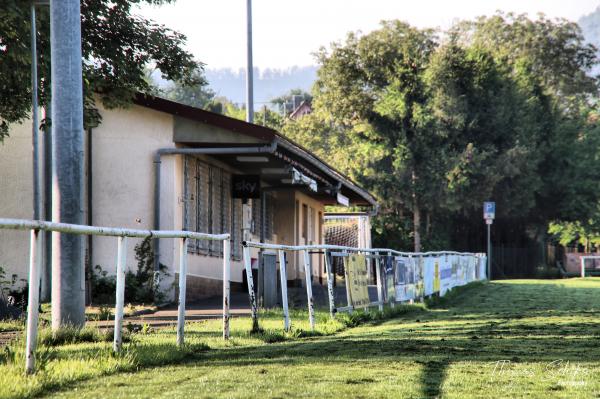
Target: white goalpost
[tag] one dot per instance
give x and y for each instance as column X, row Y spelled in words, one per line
column 588, row 257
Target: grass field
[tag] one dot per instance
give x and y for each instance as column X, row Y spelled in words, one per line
column 520, row 338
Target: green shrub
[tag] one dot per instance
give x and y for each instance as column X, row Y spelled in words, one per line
column 140, row 285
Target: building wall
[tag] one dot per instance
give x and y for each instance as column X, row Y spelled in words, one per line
column 147, row 131
column 16, row 198
column 123, row 147
column 123, row 190
column 317, row 234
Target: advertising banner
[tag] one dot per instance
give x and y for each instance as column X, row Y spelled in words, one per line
column 428, row 269
column 389, row 278
column 356, row 278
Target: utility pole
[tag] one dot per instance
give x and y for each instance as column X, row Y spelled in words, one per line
column 68, row 286
column 249, row 67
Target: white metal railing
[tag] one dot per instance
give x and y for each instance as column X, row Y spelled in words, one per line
column 583, row 259
column 35, row 265
column 375, row 253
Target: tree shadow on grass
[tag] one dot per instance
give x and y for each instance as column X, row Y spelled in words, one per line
column 484, row 341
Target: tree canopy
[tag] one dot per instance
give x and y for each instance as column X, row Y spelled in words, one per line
column 435, row 123
column 117, row 46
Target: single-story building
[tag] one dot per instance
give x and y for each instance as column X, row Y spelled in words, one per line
column 164, row 165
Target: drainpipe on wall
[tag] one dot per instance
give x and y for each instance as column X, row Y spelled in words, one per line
column 263, row 149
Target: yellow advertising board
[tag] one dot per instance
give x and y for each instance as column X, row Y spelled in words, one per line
column 356, row 278
column 436, row 277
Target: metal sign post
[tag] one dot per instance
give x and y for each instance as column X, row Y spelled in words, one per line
column 489, row 214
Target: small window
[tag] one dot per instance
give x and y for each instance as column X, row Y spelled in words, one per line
column 257, row 216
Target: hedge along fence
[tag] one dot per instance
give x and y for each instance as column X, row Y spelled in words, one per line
column 122, row 234
column 400, row 276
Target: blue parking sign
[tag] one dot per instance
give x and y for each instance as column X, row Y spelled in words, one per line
column 489, row 210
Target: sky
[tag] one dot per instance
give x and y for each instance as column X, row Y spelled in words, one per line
column 287, row 33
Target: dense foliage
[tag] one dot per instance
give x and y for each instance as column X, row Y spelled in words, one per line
column 436, row 123
column 117, row 46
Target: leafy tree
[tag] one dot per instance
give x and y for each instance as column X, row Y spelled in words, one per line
column 496, row 110
column 372, row 89
column 117, row 46
column 197, row 95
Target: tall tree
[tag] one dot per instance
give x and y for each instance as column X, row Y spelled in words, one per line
column 496, row 109
column 197, row 95
column 117, row 46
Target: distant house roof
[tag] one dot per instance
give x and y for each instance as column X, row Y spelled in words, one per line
column 303, row 109
column 293, row 150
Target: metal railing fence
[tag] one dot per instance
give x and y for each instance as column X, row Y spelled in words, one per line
column 122, row 234
column 376, row 254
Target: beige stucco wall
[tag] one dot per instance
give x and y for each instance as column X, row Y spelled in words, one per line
column 123, row 178
column 16, row 197
column 316, row 260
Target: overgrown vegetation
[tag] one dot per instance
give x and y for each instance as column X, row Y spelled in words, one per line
column 10, row 293
column 140, row 285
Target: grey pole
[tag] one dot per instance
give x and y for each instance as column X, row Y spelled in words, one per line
column 249, row 68
column 35, row 120
column 68, row 286
column 489, row 252
column 39, row 211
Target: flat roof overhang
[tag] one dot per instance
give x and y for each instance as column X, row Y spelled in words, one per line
column 286, row 154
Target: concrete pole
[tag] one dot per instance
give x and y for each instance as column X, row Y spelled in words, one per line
column 249, row 67
column 68, row 285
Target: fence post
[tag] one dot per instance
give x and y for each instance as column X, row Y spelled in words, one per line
column 250, row 280
column 392, row 300
column 329, row 284
column 33, row 300
column 226, row 286
column 120, row 294
column 582, row 266
column 309, row 293
column 284, row 296
column 182, row 289
column 348, row 293
column 379, row 282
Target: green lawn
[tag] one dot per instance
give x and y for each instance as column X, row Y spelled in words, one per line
column 520, row 338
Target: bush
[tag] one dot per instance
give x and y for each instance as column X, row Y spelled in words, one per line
column 140, row 285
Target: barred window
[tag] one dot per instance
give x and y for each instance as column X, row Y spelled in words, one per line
column 209, row 207
column 256, row 216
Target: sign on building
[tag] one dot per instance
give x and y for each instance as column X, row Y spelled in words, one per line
column 245, row 186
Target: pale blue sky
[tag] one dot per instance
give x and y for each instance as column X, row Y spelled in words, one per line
column 287, row 32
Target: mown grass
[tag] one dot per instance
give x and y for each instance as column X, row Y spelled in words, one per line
column 71, row 355
column 522, row 338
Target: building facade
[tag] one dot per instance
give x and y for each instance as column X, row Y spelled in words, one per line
column 163, row 165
